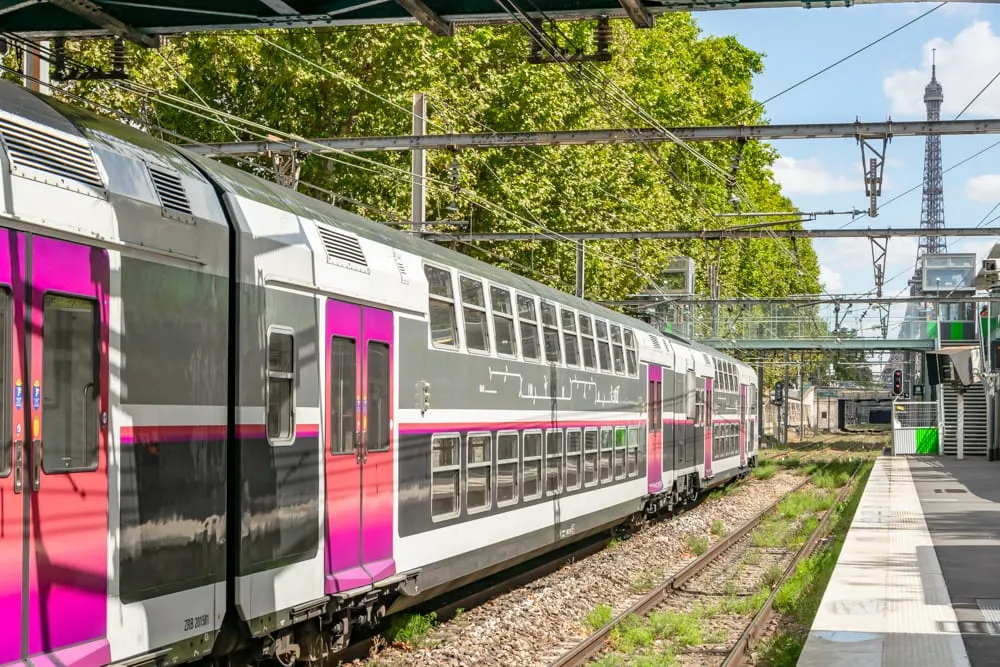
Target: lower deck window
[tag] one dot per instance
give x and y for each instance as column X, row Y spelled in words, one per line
column 507, row 456
column 590, row 454
column 632, row 464
column 479, row 483
column 553, row 462
column 607, row 444
column 445, row 476
column 531, row 474
column 619, row 453
column 574, row 447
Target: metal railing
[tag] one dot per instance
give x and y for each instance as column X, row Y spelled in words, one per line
column 915, row 427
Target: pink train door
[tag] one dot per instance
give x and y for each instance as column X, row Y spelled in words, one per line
column 359, row 471
column 743, row 426
column 708, row 427
column 55, row 383
column 654, row 463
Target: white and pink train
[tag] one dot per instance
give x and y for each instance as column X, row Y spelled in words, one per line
column 241, row 421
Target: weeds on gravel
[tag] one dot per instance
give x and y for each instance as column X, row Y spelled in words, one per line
column 410, row 629
column 697, row 544
column 598, row 617
column 765, row 470
column 800, row 596
column 718, row 528
column 646, row 581
column 746, row 605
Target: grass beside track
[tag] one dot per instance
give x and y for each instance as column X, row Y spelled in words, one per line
column 800, row 596
column 657, row 639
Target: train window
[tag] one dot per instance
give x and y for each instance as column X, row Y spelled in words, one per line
column 280, row 387
column 590, row 457
column 553, row 461
column 503, row 321
column 607, row 444
column 70, row 383
column 651, row 408
column 550, row 327
column 531, row 474
column 617, row 350
column 574, row 445
column 441, row 305
column 446, row 476
column 631, row 354
column 569, row 338
column 603, row 348
column 529, row 327
column 343, row 394
column 587, row 339
column 690, row 396
column 632, row 465
column 620, row 452
column 477, row 333
column 507, row 468
column 377, row 422
column 478, row 482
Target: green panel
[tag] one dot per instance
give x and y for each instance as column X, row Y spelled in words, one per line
column 927, row 440
column 932, row 328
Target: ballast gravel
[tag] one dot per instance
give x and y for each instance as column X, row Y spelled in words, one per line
column 535, row 624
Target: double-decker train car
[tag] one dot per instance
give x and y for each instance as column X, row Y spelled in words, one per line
column 240, row 422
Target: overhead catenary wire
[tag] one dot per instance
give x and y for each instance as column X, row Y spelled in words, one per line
column 760, row 105
column 219, row 116
column 584, row 76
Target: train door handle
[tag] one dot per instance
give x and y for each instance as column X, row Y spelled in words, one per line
column 18, row 465
column 36, row 463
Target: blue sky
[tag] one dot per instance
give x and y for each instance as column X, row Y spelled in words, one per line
column 886, row 80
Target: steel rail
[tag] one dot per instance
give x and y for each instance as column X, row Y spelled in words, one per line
column 593, row 644
column 758, row 624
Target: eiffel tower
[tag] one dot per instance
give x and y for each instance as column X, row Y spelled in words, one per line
column 931, row 219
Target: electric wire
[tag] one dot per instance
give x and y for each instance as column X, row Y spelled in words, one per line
column 226, row 118
column 760, row 105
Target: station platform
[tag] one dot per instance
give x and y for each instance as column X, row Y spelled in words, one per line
column 918, row 579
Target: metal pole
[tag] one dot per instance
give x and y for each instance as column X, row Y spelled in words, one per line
column 760, row 401
column 418, row 192
column 802, row 401
column 35, row 69
column 580, row 267
column 788, row 401
column 961, row 425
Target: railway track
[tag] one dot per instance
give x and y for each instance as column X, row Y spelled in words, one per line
column 474, row 595
column 595, row 644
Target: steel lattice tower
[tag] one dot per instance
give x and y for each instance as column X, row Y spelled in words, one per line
column 932, row 206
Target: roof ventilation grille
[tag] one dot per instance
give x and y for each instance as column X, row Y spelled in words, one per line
column 342, row 248
column 170, row 190
column 34, row 148
column 656, row 342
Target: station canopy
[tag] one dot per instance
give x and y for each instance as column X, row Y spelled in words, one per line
column 140, row 20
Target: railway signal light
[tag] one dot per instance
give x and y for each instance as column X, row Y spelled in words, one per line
column 897, row 382
column 779, row 394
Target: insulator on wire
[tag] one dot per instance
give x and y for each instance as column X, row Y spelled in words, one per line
column 602, row 34
column 118, row 63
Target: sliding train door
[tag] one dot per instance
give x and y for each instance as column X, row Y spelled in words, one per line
column 359, row 467
column 53, row 460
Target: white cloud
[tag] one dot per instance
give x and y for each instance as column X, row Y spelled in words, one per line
column 832, row 280
column 808, row 176
column 984, row 188
column 964, row 65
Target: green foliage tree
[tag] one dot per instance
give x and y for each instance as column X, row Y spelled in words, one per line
column 303, row 82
